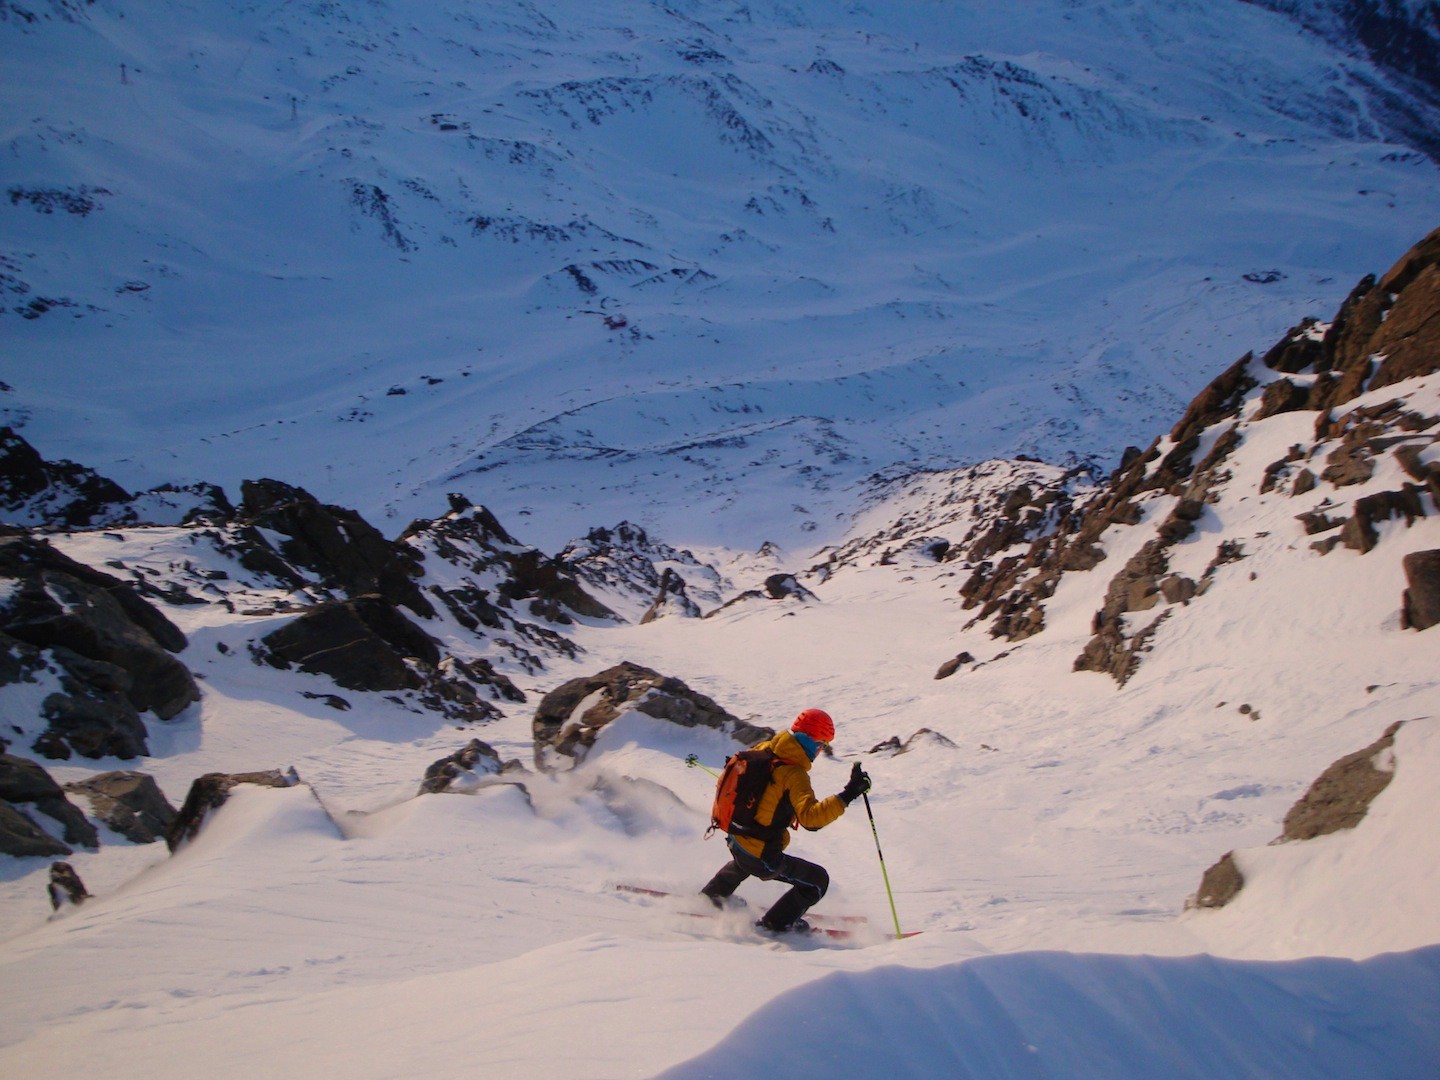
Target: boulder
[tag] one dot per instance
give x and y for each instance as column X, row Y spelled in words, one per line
column 131, row 803
column 1218, row 885
column 461, row 769
column 1421, row 602
column 1341, row 796
column 570, row 717
column 24, row 781
column 210, row 792
column 950, row 667
column 109, row 646
column 65, row 886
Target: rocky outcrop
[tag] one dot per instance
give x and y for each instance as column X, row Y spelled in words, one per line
column 368, row 644
column 363, row 644
column 62, row 494
column 569, row 718
column 954, row 664
column 1387, row 332
column 109, row 646
column 25, row 783
column 342, row 549
column 210, row 792
column 1338, row 799
column 1420, row 608
column 131, row 803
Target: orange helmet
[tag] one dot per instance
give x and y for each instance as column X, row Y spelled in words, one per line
column 817, row 724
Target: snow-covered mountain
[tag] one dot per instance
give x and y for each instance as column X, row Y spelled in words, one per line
column 433, row 435
column 414, row 771
column 559, row 257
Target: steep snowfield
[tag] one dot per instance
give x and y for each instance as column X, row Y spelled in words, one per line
column 1046, row 850
column 562, row 257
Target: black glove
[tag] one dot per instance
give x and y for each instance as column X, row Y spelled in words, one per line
column 859, row 784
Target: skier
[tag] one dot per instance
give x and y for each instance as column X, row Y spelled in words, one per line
column 757, row 847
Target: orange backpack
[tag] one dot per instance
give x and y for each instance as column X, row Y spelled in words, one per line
column 737, row 796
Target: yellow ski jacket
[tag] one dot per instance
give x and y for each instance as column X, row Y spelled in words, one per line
column 790, row 786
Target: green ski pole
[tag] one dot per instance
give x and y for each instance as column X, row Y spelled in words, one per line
column 693, row 762
column 884, row 873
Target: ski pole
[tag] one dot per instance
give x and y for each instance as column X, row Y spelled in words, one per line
column 884, row 873
column 693, row 762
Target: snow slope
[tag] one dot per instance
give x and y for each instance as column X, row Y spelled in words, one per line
column 560, row 258
column 1046, row 846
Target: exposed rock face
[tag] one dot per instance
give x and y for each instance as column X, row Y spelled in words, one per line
column 338, row 545
column 363, row 644
column 21, row 837
column 1338, row 799
column 368, row 644
column 23, row 782
column 624, row 564
column 570, row 717
column 109, row 645
column 1421, row 605
column 210, row 792
column 1386, row 332
column 131, row 803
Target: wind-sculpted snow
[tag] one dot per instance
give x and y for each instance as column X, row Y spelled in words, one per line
column 1058, row 1015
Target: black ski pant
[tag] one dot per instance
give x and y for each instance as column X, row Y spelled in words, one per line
column 808, row 882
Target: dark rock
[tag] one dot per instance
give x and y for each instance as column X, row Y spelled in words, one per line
column 785, row 587
column 77, row 612
column 21, row 837
column 210, row 792
column 1421, row 605
column 131, row 803
column 621, row 689
column 34, row 491
column 65, row 886
column 476, row 758
column 1218, row 401
column 361, row 643
column 950, row 667
column 672, row 600
column 23, row 781
column 1298, row 351
column 1305, row 481
column 1282, row 396
column 346, row 551
column 1341, row 796
column 1219, row 885
column 1360, row 533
